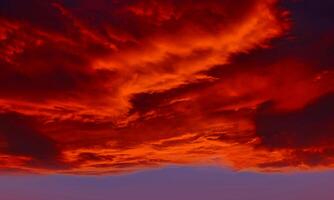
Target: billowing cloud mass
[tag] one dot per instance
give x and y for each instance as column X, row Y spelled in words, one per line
column 104, row 87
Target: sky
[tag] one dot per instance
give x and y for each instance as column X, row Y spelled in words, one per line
column 109, row 92
column 177, row 183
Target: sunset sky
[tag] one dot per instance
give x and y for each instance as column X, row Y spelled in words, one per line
column 105, row 97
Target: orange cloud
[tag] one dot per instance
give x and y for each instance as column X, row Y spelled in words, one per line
column 112, row 87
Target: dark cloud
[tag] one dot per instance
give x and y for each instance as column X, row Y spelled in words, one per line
column 22, row 138
column 310, row 127
column 35, row 12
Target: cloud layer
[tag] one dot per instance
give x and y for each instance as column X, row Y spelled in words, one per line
column 116, row 86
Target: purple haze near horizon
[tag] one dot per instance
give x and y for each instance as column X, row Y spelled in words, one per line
column 177, row 183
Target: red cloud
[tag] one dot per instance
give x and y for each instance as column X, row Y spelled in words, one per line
column 110, row 87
